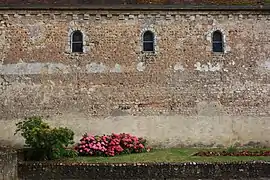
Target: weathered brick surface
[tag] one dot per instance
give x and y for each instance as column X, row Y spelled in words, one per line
column 39, row 75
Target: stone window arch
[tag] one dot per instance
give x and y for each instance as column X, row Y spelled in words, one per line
column 76, row 41
column 148, row 41
column 217, row 41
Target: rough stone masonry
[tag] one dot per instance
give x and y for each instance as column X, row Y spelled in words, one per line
column 182, row 94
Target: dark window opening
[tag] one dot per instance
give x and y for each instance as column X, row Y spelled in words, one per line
column 77, row 41
column 217, row 41
column 148, row 41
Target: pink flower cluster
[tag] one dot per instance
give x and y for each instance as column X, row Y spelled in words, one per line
column 111, row 145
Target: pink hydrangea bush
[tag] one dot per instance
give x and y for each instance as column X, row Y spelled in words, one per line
column 92, row 145
column 132, row 144
column 110, row 145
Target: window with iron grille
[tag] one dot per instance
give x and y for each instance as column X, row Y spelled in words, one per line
column 148, row 41
column 77, row 41
column 217, row 41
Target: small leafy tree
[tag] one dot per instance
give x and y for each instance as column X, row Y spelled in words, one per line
column 45, row 143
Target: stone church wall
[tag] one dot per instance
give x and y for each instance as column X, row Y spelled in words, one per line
column 183, row 94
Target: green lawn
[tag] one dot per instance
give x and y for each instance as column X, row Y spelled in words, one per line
column 168, row 155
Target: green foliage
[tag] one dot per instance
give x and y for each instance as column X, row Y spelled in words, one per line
column 231, row 149
column 45, row 143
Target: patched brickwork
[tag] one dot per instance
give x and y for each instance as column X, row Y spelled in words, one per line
column 113, row 77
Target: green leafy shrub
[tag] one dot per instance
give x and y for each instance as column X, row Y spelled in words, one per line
column 44, row 142
column 232, row 149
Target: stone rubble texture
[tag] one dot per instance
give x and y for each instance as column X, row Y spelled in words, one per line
column 182, row 94
column 157, row 170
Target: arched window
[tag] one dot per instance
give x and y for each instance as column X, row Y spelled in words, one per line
column 217, row 41
column 148, row 41
column 77, row 41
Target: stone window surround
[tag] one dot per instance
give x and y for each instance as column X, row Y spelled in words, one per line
column 209, row 38
column 72, row 42
column 150, row 40
column 69, row 45
column 155, row 41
